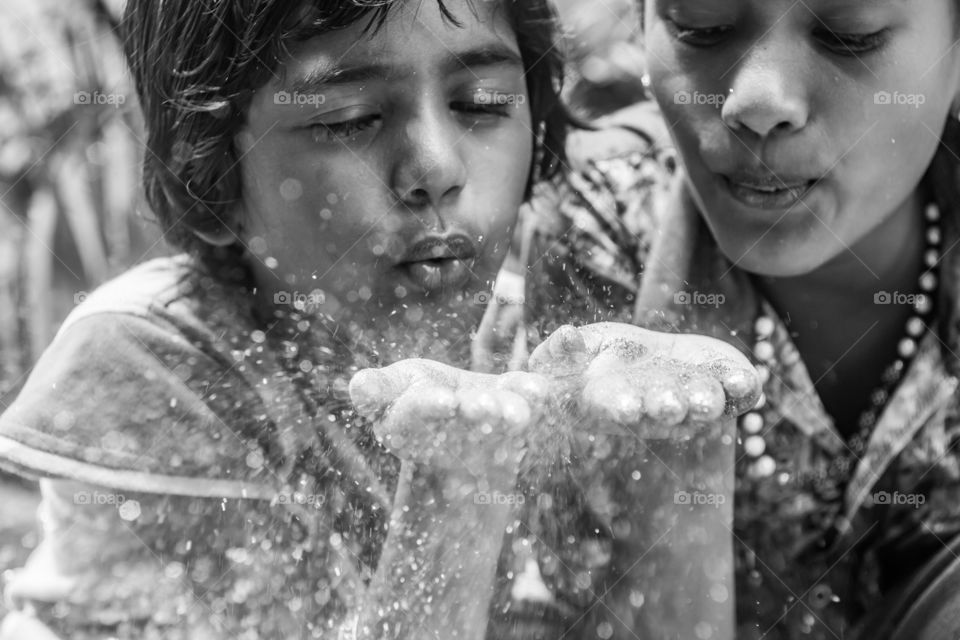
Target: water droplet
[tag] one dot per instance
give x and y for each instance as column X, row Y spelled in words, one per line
column 291, row 189
column 129, row 510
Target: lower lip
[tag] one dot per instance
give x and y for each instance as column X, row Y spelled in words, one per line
column 439, row 275
column 770, row 200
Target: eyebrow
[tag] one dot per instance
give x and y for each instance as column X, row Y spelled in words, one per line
column 325, row 76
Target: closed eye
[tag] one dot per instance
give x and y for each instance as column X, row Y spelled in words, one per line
column 332, row 131
column 697, row 36
column 852, row 44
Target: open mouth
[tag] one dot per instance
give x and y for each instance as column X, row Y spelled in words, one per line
column 440, row 263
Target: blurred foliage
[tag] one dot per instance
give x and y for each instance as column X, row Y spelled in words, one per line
column 69, row 160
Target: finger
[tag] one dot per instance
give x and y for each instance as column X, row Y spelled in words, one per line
column 706, row 398
column 606, row 364
column 371, row 392
column 563, row 350
column 664, row 403
column 743, row 389
column 515, row 412
column 417, row 422
column 534, row 387
column 613, row 399
column 480, row 408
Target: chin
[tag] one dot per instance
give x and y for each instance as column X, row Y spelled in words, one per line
column 775, row 262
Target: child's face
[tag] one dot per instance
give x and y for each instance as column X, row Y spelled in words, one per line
column 385, row 168
column 854, row 93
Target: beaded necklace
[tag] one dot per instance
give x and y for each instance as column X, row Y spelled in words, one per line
column 751, row 424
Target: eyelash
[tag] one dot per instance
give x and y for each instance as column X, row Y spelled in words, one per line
column 845, row 44
column 851, row 44
column 324, row 132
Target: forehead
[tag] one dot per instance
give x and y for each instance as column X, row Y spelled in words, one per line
column 414, row 35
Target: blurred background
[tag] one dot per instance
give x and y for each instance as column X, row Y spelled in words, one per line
column 71, row 215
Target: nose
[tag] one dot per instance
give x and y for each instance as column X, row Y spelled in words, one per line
column 765, row 97
column 429, row 170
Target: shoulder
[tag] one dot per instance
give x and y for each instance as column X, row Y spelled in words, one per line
column 136, row 387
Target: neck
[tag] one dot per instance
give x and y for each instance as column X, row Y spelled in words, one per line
column 845, row 336
column 888, row 259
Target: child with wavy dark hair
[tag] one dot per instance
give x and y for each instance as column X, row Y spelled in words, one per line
column 344, row 178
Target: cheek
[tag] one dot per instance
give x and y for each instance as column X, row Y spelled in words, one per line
column 892, row 156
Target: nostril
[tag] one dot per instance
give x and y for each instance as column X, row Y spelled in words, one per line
column 417, row 196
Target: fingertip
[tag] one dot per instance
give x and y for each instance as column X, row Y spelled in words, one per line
column 534, row 387
column 479, row 406
column 371, row 391
column 742, row 387
column 665, row 404
column 614, row 400
column 516, row 412
column 706, row 398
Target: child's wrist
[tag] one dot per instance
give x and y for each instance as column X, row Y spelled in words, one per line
column 509, row 288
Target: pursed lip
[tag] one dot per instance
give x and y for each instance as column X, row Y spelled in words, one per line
column 455, row 246
column 439, row 262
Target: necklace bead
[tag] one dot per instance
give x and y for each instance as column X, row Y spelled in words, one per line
column 763, row 350
column 907, row 348
column 754, row 446
column 752, row 423
column 764, row 327
column 915, row 327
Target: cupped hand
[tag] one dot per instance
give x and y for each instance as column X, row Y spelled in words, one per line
column 428, row 412
column 657, row 385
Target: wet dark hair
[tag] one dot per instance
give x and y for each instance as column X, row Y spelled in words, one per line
column 197, row 63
